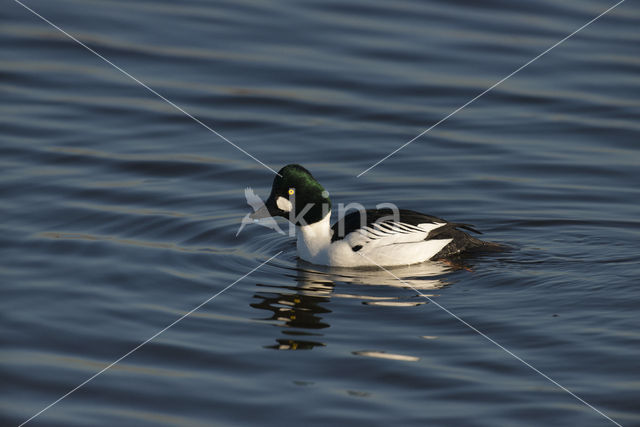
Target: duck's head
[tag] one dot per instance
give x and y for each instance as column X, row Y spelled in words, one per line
column 296, row 196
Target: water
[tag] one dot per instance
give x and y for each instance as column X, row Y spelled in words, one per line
column 119, row 213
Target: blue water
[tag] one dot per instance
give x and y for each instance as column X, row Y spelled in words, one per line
column 119, row 213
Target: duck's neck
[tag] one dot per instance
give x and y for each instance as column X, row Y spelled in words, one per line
column 314, row 239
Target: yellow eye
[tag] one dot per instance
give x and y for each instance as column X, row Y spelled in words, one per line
column 291, row 191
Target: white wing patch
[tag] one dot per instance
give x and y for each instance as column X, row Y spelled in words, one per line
column 387, row 233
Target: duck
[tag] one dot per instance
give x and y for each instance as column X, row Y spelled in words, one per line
column 385, row 237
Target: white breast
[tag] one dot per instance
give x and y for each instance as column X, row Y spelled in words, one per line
column 314, row 241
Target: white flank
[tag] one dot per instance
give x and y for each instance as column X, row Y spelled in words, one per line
column 390, row 245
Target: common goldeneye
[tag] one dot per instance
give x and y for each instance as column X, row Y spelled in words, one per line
column 361, row 238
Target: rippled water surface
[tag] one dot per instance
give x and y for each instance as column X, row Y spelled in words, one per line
column 119, row 213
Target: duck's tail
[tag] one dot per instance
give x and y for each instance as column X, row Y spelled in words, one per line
column 462, row 242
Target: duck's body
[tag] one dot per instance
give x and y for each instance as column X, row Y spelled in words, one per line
column 368, row 241
column 372, row 237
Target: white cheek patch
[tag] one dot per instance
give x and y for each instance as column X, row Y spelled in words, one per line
column 284, row 204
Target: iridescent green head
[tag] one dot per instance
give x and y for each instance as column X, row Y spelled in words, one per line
column 298, row 196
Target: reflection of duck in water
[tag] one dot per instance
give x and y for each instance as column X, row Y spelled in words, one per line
column 300, row 308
